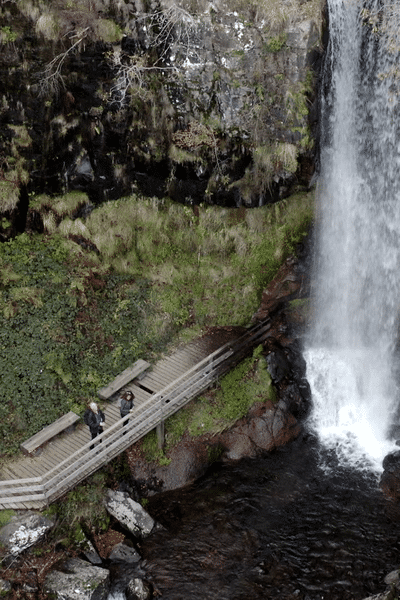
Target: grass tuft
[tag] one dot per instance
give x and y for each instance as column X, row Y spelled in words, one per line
column 82, row 302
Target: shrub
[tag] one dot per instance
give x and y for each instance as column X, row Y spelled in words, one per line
column 72, row 318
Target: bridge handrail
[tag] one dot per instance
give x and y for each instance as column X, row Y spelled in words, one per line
column 84, row 461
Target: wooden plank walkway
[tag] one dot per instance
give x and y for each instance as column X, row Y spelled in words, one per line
column 33, row 482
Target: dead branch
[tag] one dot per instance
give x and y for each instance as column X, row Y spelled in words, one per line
column 51, row 78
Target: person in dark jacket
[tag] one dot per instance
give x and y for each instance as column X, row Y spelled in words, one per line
column 125, row 406
column 94, row 419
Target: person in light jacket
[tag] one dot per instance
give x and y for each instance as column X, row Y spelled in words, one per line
column 94, row 419
column 125, row 406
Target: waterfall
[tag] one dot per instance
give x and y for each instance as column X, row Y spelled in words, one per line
column 356, row 296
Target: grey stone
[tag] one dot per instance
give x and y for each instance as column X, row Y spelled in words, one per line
column 91, row 554
column 237, row 445
column 123, row 553
column 137, row 589
column 78, row 580
column 5, row 586
column 260, row 432
column 23, row 531
column 129, row 513
column 393, row 577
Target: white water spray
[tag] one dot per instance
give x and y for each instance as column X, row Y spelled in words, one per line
column 357, row 283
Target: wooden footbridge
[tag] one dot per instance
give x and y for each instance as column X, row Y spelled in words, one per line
column 33, row 482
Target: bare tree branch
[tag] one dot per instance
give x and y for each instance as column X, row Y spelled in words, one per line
column 51, row 78
column 165, row 28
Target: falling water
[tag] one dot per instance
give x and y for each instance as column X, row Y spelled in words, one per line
column 357, row 282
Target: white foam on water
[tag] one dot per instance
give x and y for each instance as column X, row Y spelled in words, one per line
column 350, row 406
column 357, row 275
column 116, row 596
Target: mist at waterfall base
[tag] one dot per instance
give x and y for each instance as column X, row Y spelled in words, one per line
column 357, row 283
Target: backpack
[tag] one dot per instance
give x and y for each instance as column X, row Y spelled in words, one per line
column 86, row 416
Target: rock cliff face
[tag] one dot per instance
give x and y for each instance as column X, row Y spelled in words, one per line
column 198, row 100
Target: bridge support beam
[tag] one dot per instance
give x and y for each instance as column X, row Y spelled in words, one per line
column 161, row 434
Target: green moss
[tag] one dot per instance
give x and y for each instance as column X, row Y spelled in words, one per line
column 9, row 194
column 277, row 43
column 108, row 31
column 22, row 137
column 152, row 450
column 248, row 383
column 180, row 156
column 5, row 516
column 48, row 26
column 7, row 35
column 61, row 206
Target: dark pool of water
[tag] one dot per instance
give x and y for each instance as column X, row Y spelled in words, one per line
column 274, row 527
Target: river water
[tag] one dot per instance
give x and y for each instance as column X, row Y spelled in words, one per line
column 293, row 524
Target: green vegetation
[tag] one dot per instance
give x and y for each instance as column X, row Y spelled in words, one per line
column 152, row 450
column 218, row 409
column 82, row 507
column 12, row 168
column 276, row 43
column 5, row 517
column 108, row 31
column 87, row 298
column 7, row 35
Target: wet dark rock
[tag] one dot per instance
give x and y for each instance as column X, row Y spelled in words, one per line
column 124, row 554
column 391, row 462
column 91, row 137
column 390, row 478
column 137, row 589
column 278, row 365
column 392, row 592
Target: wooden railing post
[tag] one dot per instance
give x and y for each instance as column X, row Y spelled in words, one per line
column 161, row 434
column 160, row 429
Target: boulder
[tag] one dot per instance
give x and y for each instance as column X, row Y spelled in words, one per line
column 78, row 580
column 23, row 531
column 392, row 580
column 237, row 445
column 260, row 430
column 278, row 365
column 5, row 586
column 273, row 427
column 123, row 553
column 187, row 466
column 285, row 427
column 129, row 514
column 137, row 589
column 87, row 548
column 91, row 554
column 390, row 478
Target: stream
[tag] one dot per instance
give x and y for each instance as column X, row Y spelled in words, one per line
column 293, row 524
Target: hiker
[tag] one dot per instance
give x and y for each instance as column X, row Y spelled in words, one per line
column 125, row 406
column 94, row 419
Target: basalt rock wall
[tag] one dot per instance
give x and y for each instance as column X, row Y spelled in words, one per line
column 197, row 100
